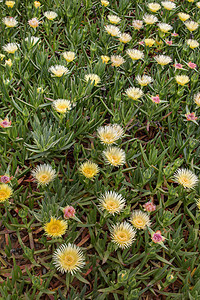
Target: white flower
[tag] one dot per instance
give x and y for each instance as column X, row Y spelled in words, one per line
column 113, row 30
column 112, row 202
column 10, row 47
column 150, row 19
column 134, row 93
column 144, row 80
column 33, row 39
column 135, row 54
column 110, row 134
column 9, row 21
column 58, row 70
column 163, row 59
column 44, row 174
column 186, row 178
column 50, row 15
column 114, row 19
column 69, row 56
column 165, row 27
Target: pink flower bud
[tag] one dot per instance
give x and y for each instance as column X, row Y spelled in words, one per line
column 149, row 206
column 69, row 212
column 5, row 179
column 157, row 237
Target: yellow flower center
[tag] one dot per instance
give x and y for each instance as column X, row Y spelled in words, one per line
column 111, row 204
column 184, row 180
column 139, row 222
column 55, row 228
column 68, row 260
column 44, row 178
column 3, row 195
column 122, row 236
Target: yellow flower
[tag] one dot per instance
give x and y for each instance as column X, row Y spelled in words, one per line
column 150, row 19
column 168, row 5
column 197, row 99
column 183, row 17
column 44, row 174
column 112, row 202
column 37, row 4
column 50, row 15
column 135, row 54
column 69, row 56
column 198, row 4
column 34, row 23
column 192, row 43
column 125, row 38
column 134, row 93
column 144, row 80
column 114, row 156
column 10, row 22
column 114, row 19
column 123, row 235
column 5, row 192
column 93, row 78
column 137, row 24
column 117, row 60
column 105, row 59
column 191, row 25
column 154, row 7
column 186, row 178
column 10, row 48
column 104, row 3
column 55, row 228
column 140, row 220
column 112, row 30
column 62, row 106
column 149, row 42
column 8, row 62
column 68, row 258
column 163, row 59
column 10, row 3
column 58, row 70
column 110, row 134
column 164, row 27
column 89, row 169
column 182, row 79
column 2, row 56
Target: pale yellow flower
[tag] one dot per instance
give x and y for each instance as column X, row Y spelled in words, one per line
column 140, row 219
column 135, row 54
column 168, row 5
column 50, row 15
column 114, row 19
column 68, row 258
column 105, row 58
column 104, row 3
column 62, row 106
column 150, row 19
column 125, row 38
column 114, row 156
column 89, row 169
column 117, row 60
column 149, row 42
column 69, row 56
column 183, row 17
column 10, row 3
column 123, row 234
column 2, row 56
column 44, row 174
column 163, row 59
column 197, row 99
column 10, row 22
column 58, row 70
column 182, row 79
column 110, row 134
column 93, row 78
column 186, row 178
column 144, row 80
column 5, row 192
column 192, row 43
column 34, row 23
column 191, row 25
column 112, row 202
column 134, row 93
column 8, row 62
column 37, row 4
column 10, row 48
column 164, row 27
column 137, row 24
column 113, row 30
column 198, row 4
column 154, row 7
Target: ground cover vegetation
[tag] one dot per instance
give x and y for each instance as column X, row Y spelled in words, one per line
column 99, row 149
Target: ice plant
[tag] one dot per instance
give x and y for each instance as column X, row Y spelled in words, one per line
column 198, row 203
column 192, row 65
column 92, row 78
column 134, row 93
column 149, row 206
column 58, row 70
column 114, row 156
column 69, row 212
column 137, row 24
column 125, row 38
column 192, row 43
column 157, row 237
column 37, row 4
column 44, row 174
column 117, row 60
column 8, row 62
column 186, row 178
column 183, row 17
column 155, row 99
column 104, row 3
column 69, row 56
column 140, row 219
column 135, row 54
column 10, row 3
column 191, row 116
column 144, row 80
column 55, row 228
column 5, row 178
column 163, row 60
column 89, row 169
column 5, row 123
column 105, row 58
column 10, row 22
column 168, row 5
column 165, row 27
column 182, row 79
column 150, row 19
column 110, row 134
column 154, row 7
column 50, row 15
column 112, row 202
column 33, row 39
column 191, row 25
column 10, row 48
column 178, row 66
column 113, row 30
column 149, row 42
column 62, row 106
column 68, row 258
column 123, row 235
column 114, row 19
column 34, row 23
column 197, row 99
column 5, row 192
